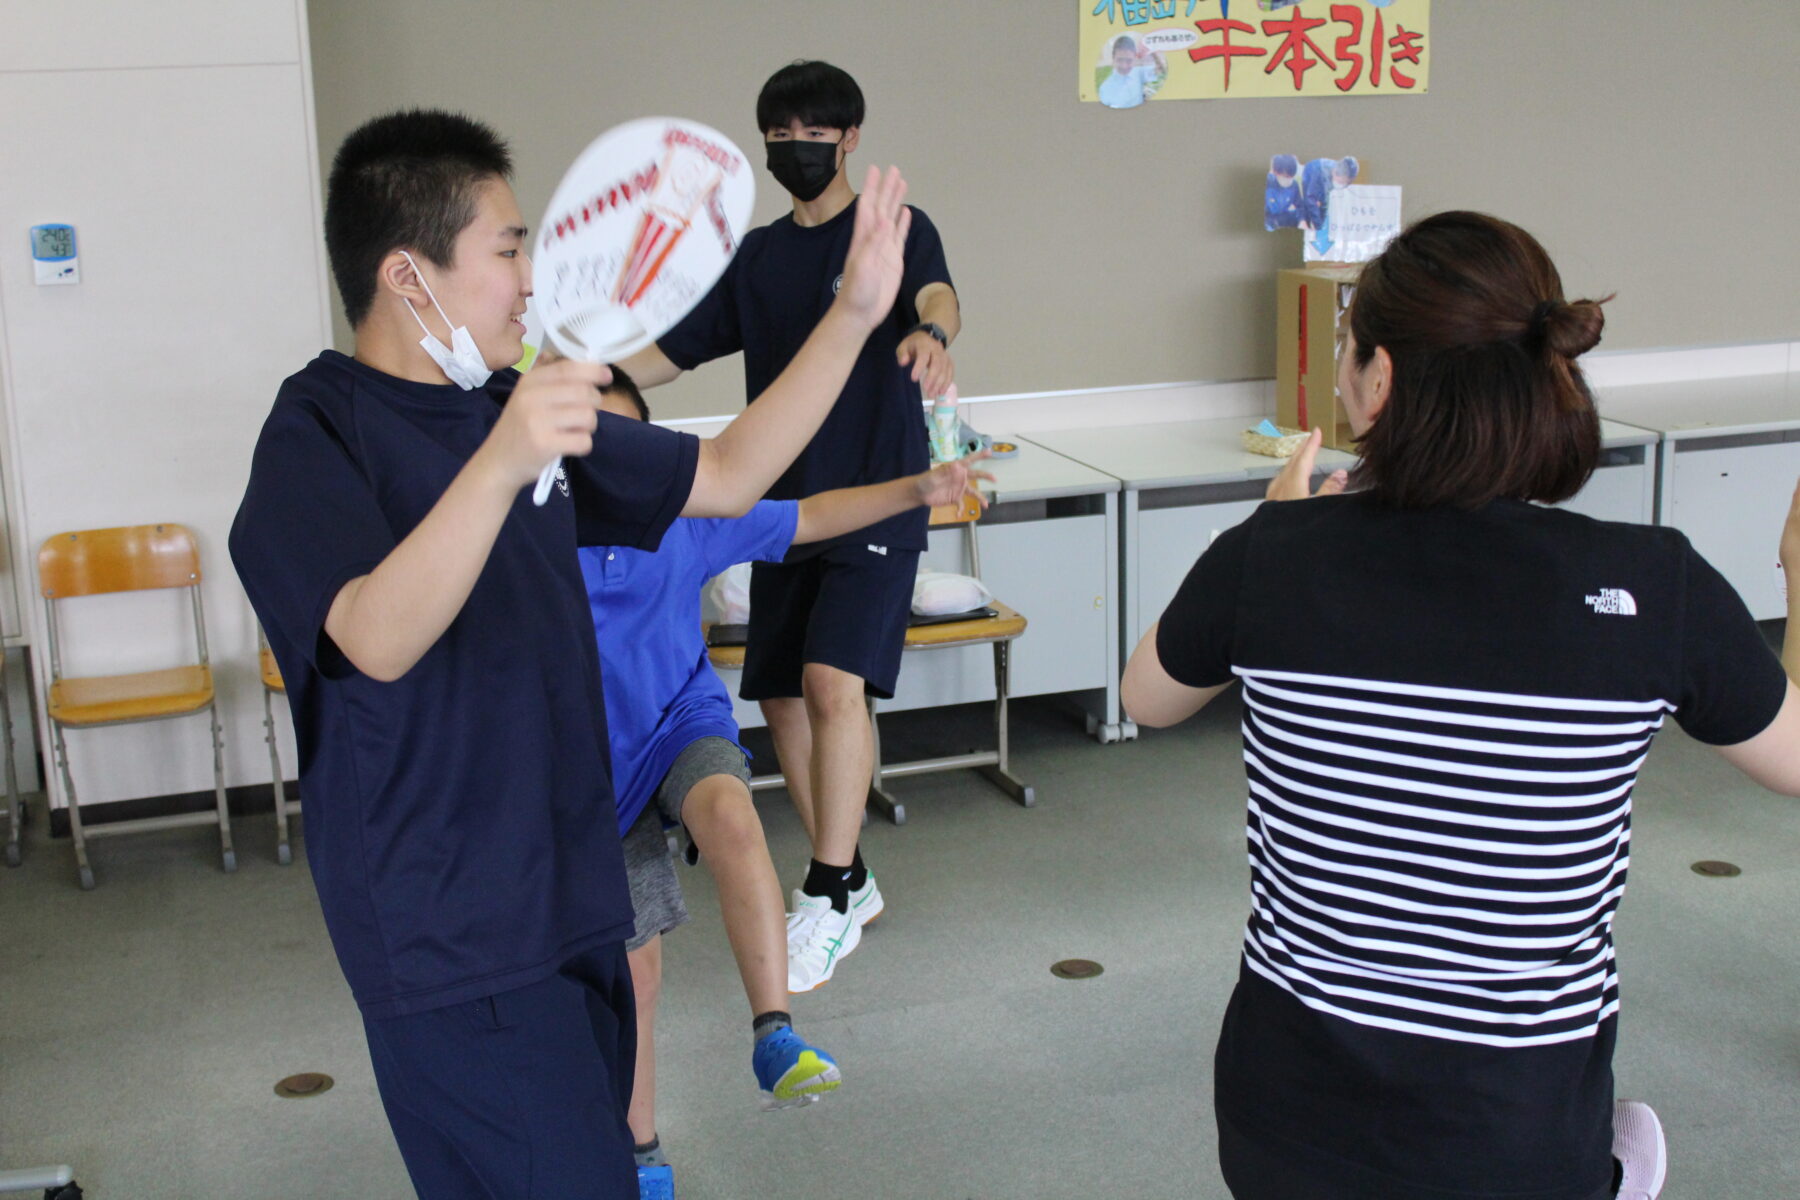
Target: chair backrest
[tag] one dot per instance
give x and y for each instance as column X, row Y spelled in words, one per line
column 130, row 558
column 968, row 510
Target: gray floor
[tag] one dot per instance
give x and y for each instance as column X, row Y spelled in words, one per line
column 142, row 1026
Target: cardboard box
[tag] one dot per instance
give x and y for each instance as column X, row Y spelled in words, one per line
column 1308, row 303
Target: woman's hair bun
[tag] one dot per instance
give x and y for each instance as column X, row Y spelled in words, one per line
column 1571, row 328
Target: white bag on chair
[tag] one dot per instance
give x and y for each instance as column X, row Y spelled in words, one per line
column 726, row 600
column 937, row 593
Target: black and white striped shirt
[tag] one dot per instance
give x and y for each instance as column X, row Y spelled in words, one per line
column 1445, row 714
column 1440, row 861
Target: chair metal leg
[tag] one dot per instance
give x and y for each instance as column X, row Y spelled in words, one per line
column 14, row 810
column 881, row 800
column 85, row 872
column 284, row 853
column 998, row 773
column 51, row 1179
column 227, row 855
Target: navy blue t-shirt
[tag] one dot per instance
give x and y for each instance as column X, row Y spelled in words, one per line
column 767, row 303
column 459, row 820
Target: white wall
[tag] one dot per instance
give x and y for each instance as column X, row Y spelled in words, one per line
column 178, row 139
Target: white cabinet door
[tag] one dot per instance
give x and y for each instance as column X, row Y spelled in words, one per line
column 1168, row 543
column 1615, row 494
column 1731, row 503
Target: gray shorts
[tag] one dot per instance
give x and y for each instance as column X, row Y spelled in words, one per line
column 649, row 867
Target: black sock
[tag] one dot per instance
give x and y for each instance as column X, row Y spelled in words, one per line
column 650, row 1153
column 822, row 879
column 859, row 874
column 769, row 1022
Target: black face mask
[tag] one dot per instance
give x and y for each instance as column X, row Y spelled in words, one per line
column 805, row 169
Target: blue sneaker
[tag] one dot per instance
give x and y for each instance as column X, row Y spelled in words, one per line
column 656, row 1183
column 790, row 1072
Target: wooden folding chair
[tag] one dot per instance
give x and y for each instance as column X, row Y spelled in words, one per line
column 272, row 686
column 104, row 561
column 998, row 630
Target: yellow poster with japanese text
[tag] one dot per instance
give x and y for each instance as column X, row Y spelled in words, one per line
column 1134, row 51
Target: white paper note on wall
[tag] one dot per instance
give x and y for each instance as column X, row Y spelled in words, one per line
column 1362, row 220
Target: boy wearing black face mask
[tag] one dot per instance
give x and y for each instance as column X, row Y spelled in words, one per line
column 828, row 624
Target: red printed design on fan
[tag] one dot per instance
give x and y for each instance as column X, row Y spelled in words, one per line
column 687, row 179
column 618, row 195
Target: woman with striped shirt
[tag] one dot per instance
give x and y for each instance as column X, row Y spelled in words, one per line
column 1448, row 692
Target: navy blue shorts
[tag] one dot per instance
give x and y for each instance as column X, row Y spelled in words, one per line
column 845, row 607
column 517, row 1095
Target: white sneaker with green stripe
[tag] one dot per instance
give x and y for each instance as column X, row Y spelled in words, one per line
column 865, row 902
column 818, row 938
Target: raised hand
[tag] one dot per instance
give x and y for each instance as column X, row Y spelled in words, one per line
column 1292, row 482
column 946, row 483
column 877, row 257
column 1790, row 540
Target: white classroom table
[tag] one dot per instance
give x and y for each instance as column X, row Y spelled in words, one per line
column 1049, row 549
column 1728, row 455
column 1623, row 486
column 1183, row 483
column 1187, row 481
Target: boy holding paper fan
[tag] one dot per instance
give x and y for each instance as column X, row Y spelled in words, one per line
column 828, row 624
column 432, row 627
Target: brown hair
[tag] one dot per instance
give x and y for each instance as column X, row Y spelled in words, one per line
column 1486, row 400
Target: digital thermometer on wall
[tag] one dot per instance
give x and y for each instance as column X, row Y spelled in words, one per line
column 53, row 254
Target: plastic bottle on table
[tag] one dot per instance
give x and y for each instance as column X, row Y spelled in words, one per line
column 946, row 446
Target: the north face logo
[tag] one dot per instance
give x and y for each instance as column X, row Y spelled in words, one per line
column 1616, row 602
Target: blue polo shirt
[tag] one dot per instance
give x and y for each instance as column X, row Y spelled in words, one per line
column 459, row 820
column 646, row 613
column 767, row 303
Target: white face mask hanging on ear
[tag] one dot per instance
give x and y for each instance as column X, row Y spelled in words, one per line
column 461, row 361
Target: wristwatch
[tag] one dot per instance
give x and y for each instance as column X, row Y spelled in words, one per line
column 929, row 327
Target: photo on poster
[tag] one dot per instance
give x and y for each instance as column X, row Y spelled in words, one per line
column 1129, row 72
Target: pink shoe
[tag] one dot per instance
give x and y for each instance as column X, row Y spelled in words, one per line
column 1639, row 1146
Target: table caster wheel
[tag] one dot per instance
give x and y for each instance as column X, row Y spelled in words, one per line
column 87, row 879
column 284, row 855
column 12, row 854
column 1107, row 733
column 70, row 1191
column 230, row 860
column 1130, row 731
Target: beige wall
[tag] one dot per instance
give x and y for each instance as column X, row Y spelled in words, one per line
column 1100, row 248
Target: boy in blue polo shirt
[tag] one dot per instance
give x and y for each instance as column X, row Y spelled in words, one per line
column 433, row 630
column 827, row 624
column 676, row 758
